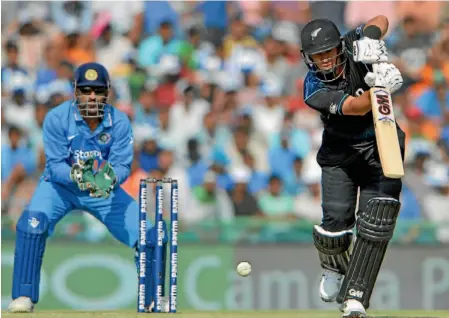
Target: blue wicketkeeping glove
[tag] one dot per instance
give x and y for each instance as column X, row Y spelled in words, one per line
column 105, row 181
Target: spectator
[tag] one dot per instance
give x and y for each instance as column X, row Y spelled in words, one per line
column 112, row 48
column 72, row 15
column 36, row 132
column 294, row 182
column 47, row 71
column 186, row 116
column 281, row 157
column 148, row 156
column 308, row 203
column 19, row 104
column 241, row 143
column 215, row 15
column 158, row 13
column 244, row 203
column 298, row 139
column 211, row 134
column 438, row 198
column 274, row 203
column 411, row 46
column 126, row 17
column 238, row 36
column 61, row 85
column 212, row 203
column 146, row 108
column 268, row 116
column 154, row 47
column 189, row 49
column 434, row 102
column 18, row 161
column 12, row 69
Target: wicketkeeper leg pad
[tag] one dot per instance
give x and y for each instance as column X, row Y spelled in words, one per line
column 375, row 227
column 31, row 238
column 333, row 248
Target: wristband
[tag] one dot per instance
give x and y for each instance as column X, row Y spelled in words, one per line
column 372, row 32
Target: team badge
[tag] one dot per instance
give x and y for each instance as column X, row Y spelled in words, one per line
column 91, row 75
column 314, row 33
column 104, row 138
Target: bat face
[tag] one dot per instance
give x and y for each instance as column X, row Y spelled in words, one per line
column 386, row 132
column 382, row 101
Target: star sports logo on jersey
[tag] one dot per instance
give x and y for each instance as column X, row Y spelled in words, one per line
column 84, row 155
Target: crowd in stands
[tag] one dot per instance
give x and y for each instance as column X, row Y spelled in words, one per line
column 214, row 93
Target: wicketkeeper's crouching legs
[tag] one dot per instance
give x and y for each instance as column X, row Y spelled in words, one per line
column 150, row 273
column 32, row 232
column 375, row 228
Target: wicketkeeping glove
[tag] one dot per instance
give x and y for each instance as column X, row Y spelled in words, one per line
column 105, row 181
column 82, row 174
column 369, row 51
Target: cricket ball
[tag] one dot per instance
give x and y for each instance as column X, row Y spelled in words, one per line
column 244, row 269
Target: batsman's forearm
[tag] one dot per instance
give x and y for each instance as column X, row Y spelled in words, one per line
column 357, row 106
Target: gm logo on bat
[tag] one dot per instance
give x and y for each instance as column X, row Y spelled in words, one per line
column 384, row 106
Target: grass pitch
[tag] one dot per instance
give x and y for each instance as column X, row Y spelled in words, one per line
column 231, row 314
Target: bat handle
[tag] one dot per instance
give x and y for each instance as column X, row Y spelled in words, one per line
column 375, row 68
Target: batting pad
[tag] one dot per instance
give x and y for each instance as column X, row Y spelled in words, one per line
column 333, row 248
column 31, row 237
column 375, row 227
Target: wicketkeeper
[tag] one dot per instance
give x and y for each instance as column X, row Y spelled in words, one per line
column 337, row 85
column 76, row 134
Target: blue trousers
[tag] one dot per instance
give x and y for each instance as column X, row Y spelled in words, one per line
column 119, row 212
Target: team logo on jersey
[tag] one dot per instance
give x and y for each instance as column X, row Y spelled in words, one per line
column 104, row 138
column 314, row 33
column 91, row 75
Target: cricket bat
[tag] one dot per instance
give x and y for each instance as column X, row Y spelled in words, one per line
column 386, row 133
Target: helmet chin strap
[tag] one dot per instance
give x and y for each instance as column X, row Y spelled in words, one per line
column 333, row 72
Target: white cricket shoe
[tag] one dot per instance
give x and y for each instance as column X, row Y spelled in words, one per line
column 165, row 305
column 354, row 309
column 21, row 304
column 330, row 285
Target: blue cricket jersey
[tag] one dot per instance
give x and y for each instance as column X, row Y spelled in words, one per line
column 67, row 138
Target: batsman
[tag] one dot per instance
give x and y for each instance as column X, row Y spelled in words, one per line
column 77, row 134
column 337, row 85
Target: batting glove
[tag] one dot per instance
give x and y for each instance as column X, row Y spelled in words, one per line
column 386, row 75
column 369, row 51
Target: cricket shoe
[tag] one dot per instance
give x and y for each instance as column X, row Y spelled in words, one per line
column 165, row 305
column 352, row 308
column 21, row 304
column 330, row 285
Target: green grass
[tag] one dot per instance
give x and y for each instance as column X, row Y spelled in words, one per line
column 232, row 314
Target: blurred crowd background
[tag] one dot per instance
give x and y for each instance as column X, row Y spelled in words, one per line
column 214, row 92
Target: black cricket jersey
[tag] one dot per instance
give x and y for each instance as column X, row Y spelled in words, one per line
column 343, row 135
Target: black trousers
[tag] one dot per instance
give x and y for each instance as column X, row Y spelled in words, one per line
column 341, row 183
